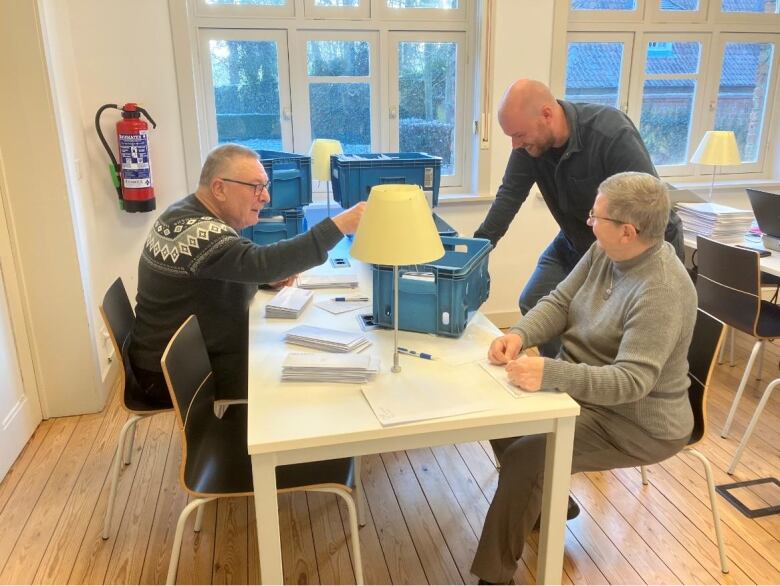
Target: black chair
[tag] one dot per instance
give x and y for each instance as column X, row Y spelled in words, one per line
column 215, row 462
column 707, row 337
column 729, row 288
column 119, row 318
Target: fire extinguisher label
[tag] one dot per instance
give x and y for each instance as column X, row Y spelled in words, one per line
column 134, row 157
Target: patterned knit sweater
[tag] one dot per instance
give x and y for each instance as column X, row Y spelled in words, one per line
column 626, row 350
column 193, row 262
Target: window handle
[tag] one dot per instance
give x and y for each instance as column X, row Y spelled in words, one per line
column 393, row 112
column 287, row 113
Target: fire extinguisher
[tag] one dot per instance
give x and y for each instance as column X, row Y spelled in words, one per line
column 132, row 176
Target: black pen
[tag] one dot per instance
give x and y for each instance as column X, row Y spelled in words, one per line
column 424, row 355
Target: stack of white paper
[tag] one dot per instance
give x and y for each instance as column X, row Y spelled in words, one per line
column 328, row 281
column 715, row 221
column 345, row 368
column 288, row 303
column 327, row 339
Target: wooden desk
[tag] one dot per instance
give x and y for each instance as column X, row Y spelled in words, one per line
column 300, row 422
column 769, row 264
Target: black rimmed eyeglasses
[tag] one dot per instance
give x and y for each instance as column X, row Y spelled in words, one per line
column 258, row 187
column 592, row 216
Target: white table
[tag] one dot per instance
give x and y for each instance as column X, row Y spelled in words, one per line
column 291, row 423
column 769, row 264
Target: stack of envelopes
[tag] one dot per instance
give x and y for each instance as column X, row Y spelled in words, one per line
column 327, row 339
column 288, row 303
column 315, row 367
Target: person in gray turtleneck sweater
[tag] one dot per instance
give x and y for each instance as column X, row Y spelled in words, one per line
column 625, row 316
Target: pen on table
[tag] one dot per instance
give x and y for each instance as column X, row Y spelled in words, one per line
column 424, row 355
column 350, row 299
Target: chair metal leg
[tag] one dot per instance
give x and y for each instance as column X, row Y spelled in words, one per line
column 199, row 518
column 724, row 566
column 757, row 347
column 353, row 527
column 129, row 441
column 116, row 464
column 173, row 566
column 731, row 347
column 760, row 365
column 643, row 470
column 749, row 431
column 723, row 346
column 359, row 495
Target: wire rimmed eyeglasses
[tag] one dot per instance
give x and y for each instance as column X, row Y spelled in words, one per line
column 258, row 187
column 592, row 216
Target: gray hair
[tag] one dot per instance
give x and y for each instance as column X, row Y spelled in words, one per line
column 219, row 158
column 639, row 199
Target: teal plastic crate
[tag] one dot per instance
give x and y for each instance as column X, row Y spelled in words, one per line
column 290, row 176
column 438, row 297
column 443, row 228
column 353, row 176
column 280, row 226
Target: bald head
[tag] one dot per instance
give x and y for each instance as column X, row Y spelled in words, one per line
column 531, row 116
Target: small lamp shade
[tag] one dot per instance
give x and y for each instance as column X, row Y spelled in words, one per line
column 397, row 228
column 717, row 147
column 320, row 152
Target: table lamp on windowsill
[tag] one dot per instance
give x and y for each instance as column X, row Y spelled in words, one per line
column 396, row 229
column 320, row 152
column 717, row 148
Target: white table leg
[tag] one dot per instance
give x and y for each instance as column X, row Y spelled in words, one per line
column 557, row 475
column 267, row 517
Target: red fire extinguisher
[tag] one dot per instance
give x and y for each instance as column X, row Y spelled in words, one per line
column 132, row 176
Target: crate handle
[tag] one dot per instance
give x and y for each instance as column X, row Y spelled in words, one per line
column 286, row 174
column 384, row 180
column 416, row 287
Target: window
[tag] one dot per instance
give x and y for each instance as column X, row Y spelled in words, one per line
column 716, row 71
column 377, row 75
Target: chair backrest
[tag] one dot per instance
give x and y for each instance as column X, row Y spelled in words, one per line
column 187, row 370
column 729, row 283
column 702, row 354
column 119, row 319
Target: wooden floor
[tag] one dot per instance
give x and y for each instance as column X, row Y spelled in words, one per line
column 425, row 511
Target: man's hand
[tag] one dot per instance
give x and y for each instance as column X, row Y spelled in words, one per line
column 505, row 348
column 526, row 372
column 288, row 282
column 348, row 220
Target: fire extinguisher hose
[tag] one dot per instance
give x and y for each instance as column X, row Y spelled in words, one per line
column 114, row 165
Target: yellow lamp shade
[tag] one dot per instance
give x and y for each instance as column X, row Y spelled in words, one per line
column 397, row 228
column 717, row 147
column 320, row 152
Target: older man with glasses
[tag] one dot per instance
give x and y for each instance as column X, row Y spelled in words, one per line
column 625, row 317
column 196, row 262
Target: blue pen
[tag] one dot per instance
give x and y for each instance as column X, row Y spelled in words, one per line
column 424, row 355
column 350, row 299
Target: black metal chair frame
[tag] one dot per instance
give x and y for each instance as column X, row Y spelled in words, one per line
column 118, row 316
column 215, row 462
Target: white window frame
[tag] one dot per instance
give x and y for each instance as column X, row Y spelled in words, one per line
column 188, row 17
column 209, row 129
column 461, row 108
column 639, row 76
column 381, row 9
column 362, row 11
column 202, row 8
column 635, row 16
column 597, row 25
column 714, row 83
column 628, row 40
column 300, row 81
column 654, row 13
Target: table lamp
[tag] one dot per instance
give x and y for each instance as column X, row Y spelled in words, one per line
column 717, row 147
column 320, row 152
column 397, row 229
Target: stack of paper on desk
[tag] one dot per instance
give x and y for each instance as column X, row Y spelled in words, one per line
column 716, row 221
column 288, row 303
column 313, row 367
column 326, row 339
column 328, row 281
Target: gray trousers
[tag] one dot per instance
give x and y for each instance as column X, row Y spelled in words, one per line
column 603, row 440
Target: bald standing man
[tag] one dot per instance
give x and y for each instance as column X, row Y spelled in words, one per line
column 567, row 150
